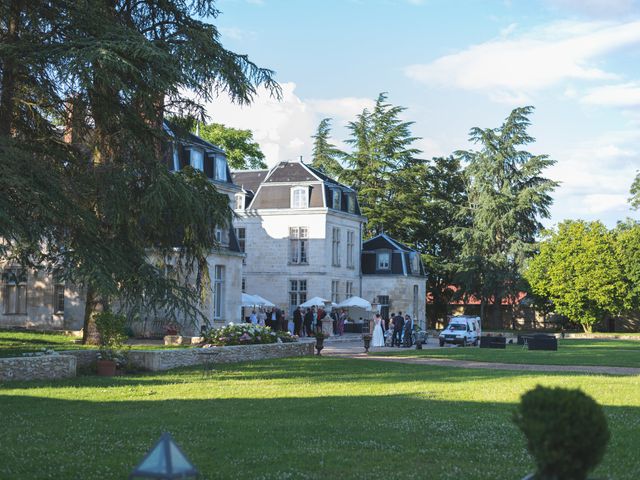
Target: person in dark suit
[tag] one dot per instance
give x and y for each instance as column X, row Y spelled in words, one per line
column 308, row 320
column 297, row 322
column 398, row 324
column 408, row 331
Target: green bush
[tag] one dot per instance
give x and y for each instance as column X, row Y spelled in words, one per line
column 566, row 432
column 111, row 328
column 246, row 334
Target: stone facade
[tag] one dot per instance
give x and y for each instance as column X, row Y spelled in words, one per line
column 406, row 294
column 46, row 367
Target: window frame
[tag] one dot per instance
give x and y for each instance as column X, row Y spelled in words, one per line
column 14, row 285
column 192, row 160
column 220, row 168
column 218, row 292
column 351, row 242
column 305, row 192
column 379, row 255
column 335, row 246
column 336, row 199
column 298, row 246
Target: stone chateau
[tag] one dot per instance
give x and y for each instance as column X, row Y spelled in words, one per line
column 297, row 234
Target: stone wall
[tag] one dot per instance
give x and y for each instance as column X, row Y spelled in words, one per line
column 46, row 367
column 157, row 360
column 400, row 290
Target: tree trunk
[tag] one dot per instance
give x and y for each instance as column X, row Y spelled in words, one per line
column 93, row 305
column 587, row 327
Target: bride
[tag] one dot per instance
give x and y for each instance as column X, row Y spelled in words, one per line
column 378, row 332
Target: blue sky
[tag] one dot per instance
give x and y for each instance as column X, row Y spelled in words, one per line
column 455, row 65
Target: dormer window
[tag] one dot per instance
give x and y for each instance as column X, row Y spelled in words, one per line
column 383, row 260
column 336, row 203
column 197, row 159
column 415, row 263
column 351, row 204
column 300, row 197
column 240, row 201
column 221, row 168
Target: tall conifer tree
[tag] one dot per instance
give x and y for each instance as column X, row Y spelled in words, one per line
column 326, row 156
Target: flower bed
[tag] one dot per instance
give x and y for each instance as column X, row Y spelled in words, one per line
column 246, row 334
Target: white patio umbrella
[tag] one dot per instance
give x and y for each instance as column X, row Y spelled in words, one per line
column 263, row 302
column 355, row 302
column 249, row 300
column 315, row 302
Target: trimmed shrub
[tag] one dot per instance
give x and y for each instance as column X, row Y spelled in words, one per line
column 246, row 334
column 566, row 432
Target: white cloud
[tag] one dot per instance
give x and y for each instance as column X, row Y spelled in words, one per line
column 595, row 177
column 511, row 69
column 508, row 30
column 284, row 128
column 619, row 95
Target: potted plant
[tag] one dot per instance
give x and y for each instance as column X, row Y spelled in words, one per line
column 319, row 341
column 111, row 328
column 566, row 432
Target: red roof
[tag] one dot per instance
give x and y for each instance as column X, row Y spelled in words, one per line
column 473, row 300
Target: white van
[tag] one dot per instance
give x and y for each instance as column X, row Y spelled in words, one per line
column 462, row 330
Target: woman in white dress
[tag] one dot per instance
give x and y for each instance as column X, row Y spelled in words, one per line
column 378, row 332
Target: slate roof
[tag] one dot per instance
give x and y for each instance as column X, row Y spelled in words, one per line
column 250, row 180
column 401, row 257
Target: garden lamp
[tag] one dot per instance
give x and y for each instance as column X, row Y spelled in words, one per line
column 165, row 461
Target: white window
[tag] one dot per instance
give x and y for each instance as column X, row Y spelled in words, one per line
column 15, row 291
column 335, row 287
column 383, row 260
column 297, row 292
column 218, row 292
column 241, row 235
column 176, row 157
column 299, row 197
column 299, row 245
column 335, row 256
column 351, row 203
column 240, row 201
column 58, row 297
column 337, row 199
column 197, row 159
column 221, row 168
column 351, row 235
column 348, row 289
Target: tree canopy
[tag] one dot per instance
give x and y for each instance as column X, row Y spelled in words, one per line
column 85, row 88
column 326, row 156
column 242, row 151
column 506, row 196
column 635, row 192
column 587, row 271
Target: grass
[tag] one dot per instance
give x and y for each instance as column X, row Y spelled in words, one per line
column 618, row 353
column 14, row 343
column 301, row 418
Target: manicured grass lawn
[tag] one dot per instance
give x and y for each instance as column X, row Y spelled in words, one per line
column 15, row 343
column 311, row 418
column 619, row 353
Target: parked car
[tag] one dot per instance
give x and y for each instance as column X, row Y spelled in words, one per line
column 462, row 330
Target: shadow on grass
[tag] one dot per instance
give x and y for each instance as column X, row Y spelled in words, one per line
column 355, row 436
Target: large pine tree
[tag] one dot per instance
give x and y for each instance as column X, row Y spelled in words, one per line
column 326, row 156
column 507, row 196
column 382, row 149
column 98, row 197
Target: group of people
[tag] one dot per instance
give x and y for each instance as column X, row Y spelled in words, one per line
column 398, row 328
column 274, row 318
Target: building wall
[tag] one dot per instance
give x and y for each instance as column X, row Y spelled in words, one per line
column 268, row 268
column 40, row 305
column 400, row 289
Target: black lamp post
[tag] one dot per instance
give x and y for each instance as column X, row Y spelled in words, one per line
column 165, row 461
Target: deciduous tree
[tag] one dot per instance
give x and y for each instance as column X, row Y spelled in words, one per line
column 242, row 151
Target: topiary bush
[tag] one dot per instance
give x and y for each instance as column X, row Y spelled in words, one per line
column 566, row 432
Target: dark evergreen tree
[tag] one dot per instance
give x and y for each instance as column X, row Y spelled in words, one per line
column 326, row 156
column 382, row 149
column 94, row 201
column 506, row 198
column 635, row 193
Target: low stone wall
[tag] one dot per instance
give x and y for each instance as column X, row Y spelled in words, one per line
column 45, row 367
column 156, row 360
column 84, row 358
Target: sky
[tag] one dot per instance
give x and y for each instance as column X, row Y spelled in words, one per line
column 454, row 64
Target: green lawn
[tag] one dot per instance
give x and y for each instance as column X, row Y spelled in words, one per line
column 308, row 418
column 619, row 353
column 15, row 343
